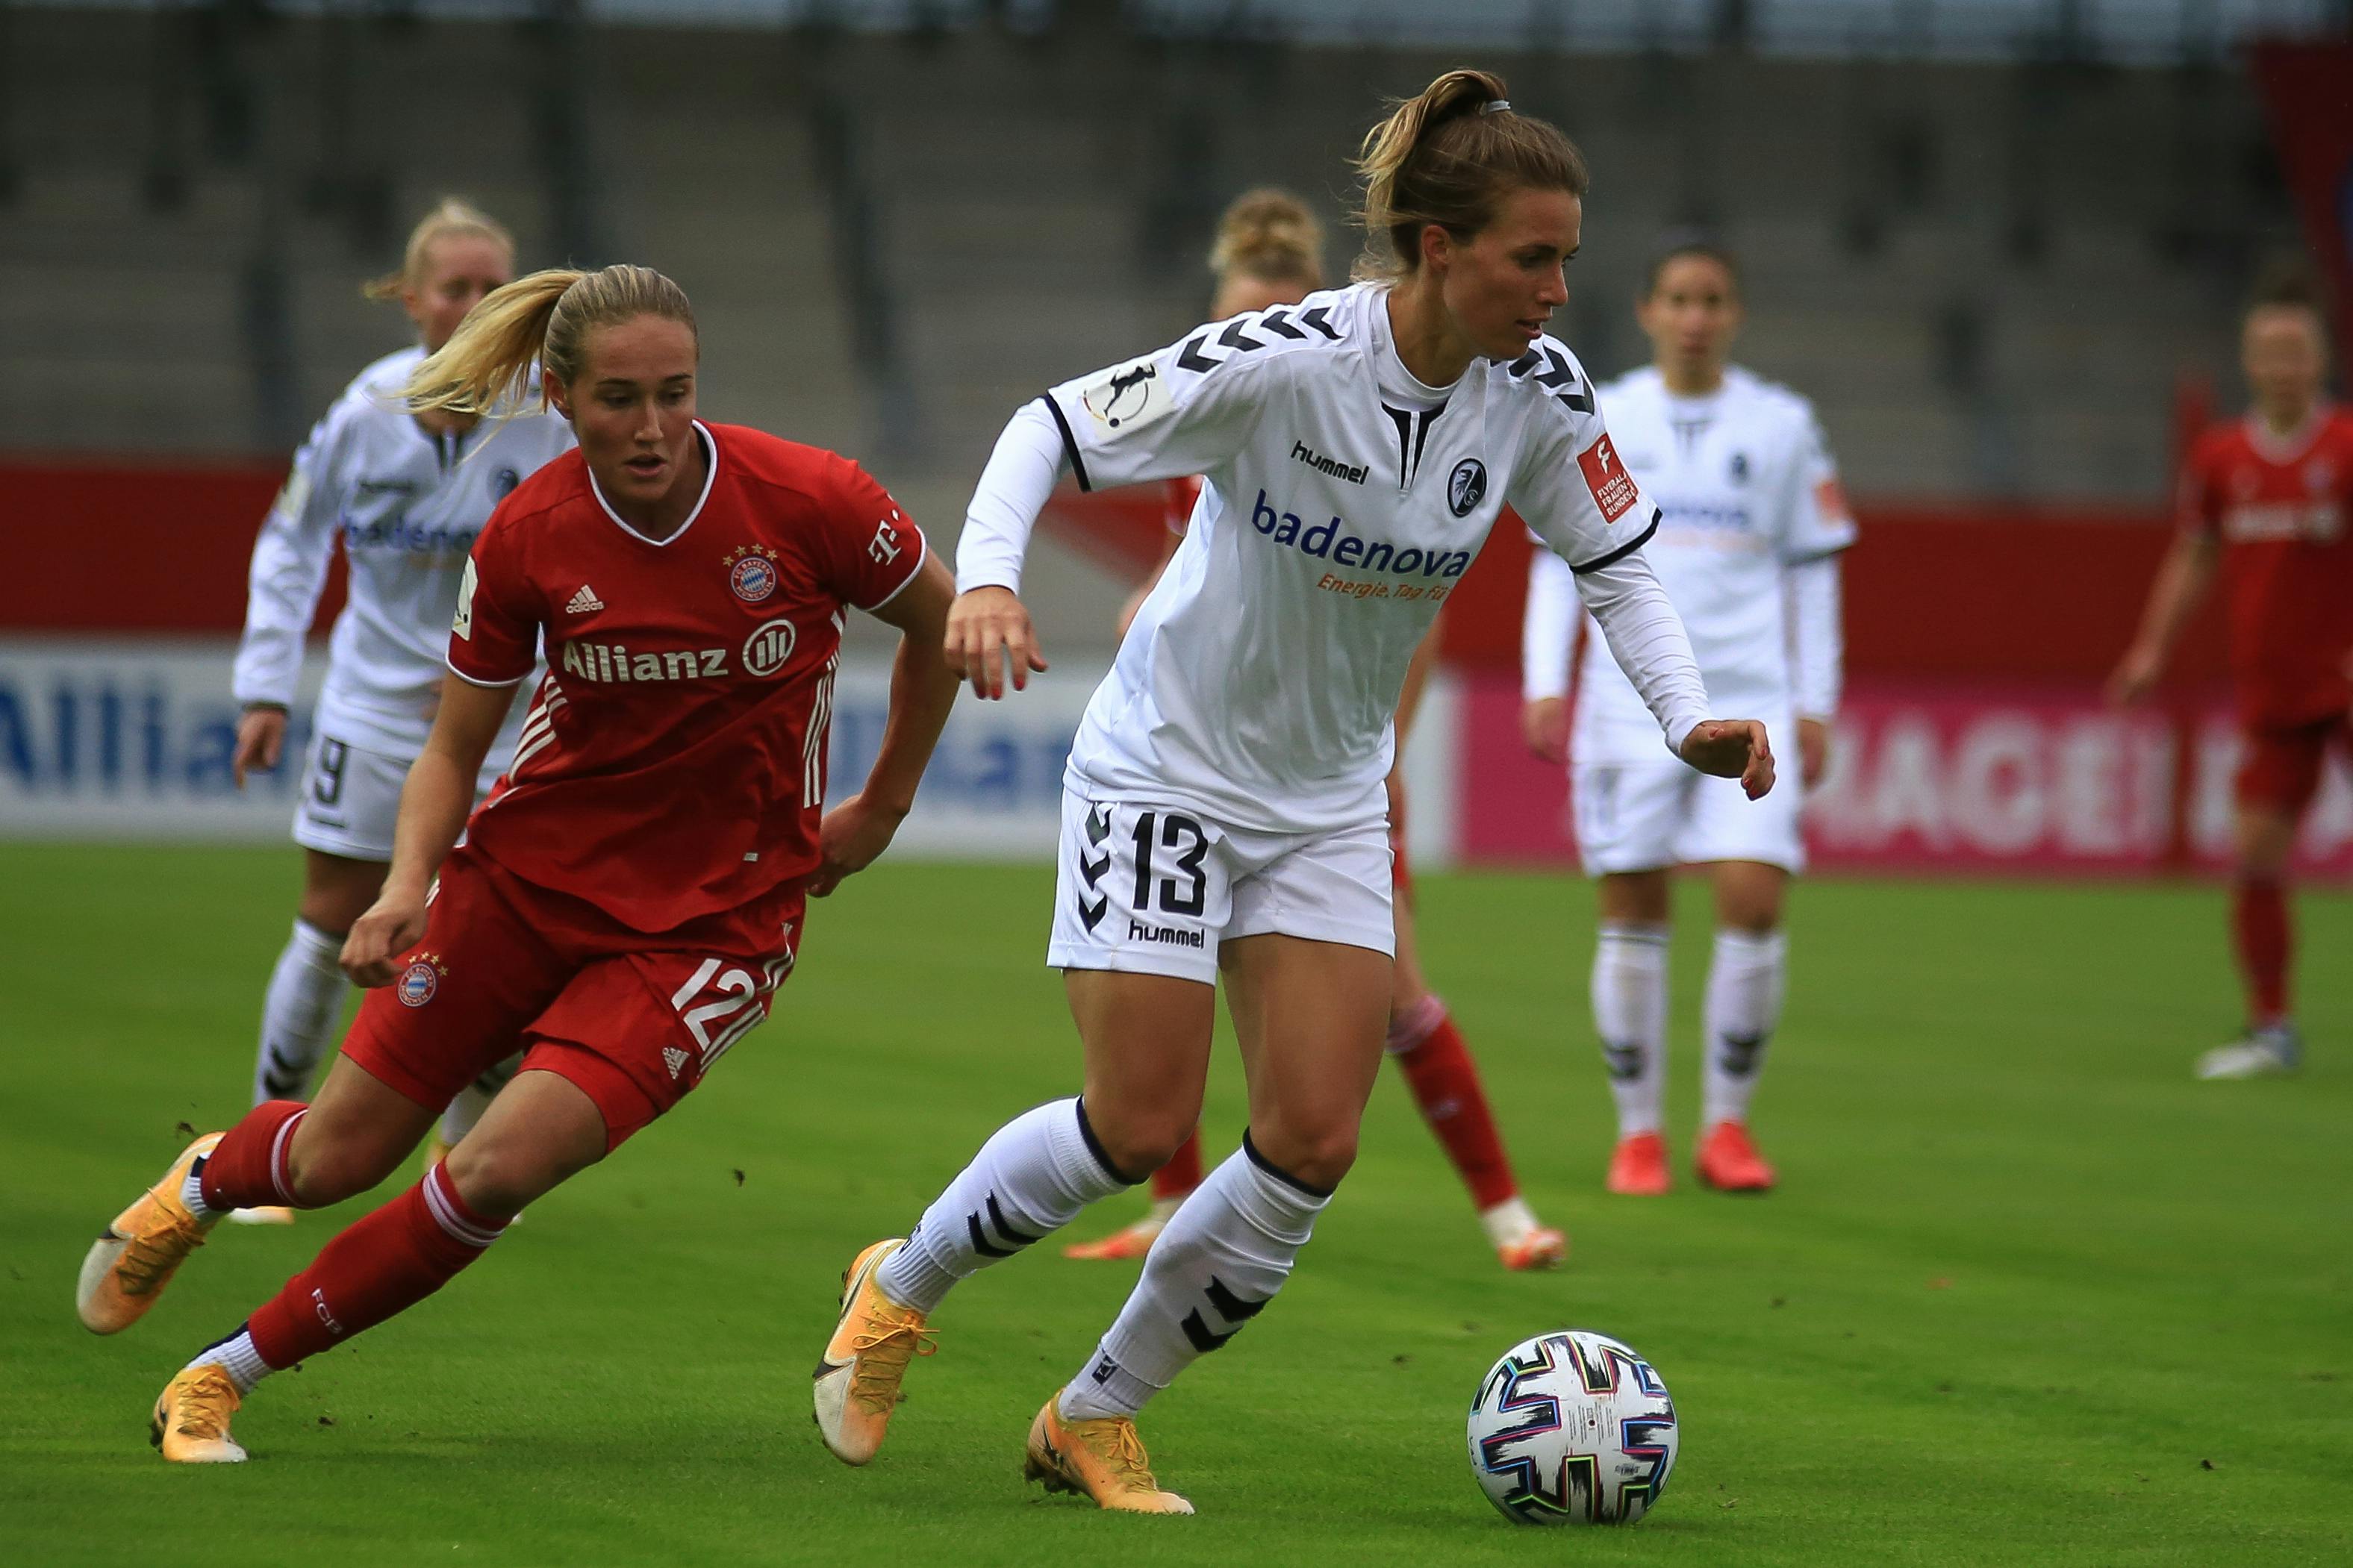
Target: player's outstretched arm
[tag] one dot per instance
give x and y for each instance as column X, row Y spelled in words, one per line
column 923, row 689
column 2181, row 583
column 434, row 805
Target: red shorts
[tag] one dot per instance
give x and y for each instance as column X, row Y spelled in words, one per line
column 1400, row 873
column 634, row 1020
column 2281, row 765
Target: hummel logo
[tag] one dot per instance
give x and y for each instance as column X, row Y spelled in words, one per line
column 1094, row 913
column 673, row 1058
column 1624, row 1062
column 584, row 602
column 1098, row 824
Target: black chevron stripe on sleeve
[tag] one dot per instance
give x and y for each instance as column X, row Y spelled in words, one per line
column 1623, row 551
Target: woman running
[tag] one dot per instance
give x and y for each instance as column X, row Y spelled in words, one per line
column 1224, row 813
column 1753, row 525
column 406, row 490
column 627, row 900
column 1268, row 252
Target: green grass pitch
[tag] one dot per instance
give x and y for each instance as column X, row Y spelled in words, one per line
column 2024, row 1284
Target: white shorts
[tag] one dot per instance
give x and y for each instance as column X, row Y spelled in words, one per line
column 1646, row 816
column 1154, row 889
column 350, row 797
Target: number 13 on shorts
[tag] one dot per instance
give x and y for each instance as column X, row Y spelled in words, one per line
column 1139, row 888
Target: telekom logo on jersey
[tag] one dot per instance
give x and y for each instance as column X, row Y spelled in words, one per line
column 768, row 650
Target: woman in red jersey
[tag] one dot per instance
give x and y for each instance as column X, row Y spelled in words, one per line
column 1269, row 252
column 2274, row 492
column 628, row 899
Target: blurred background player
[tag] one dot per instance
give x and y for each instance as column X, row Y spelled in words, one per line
column 1224, row 816
column 1269, row 251
column 1753, row 524
column 2272, row 493
column 407, row 492
column 626, row 903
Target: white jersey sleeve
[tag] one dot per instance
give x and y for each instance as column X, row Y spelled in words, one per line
column 290, row 568
column 1167, row 415
column 1185, row 410
column 1816, row 641
column 1815, row 519
column 1577, row 497
column 1816, row 528
column 1548, row 630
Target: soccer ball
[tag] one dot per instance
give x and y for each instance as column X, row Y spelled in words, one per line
column 1572, row 1428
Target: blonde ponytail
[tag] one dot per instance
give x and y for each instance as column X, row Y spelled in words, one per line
column 451, row 220
column 1447, row 156
column 1268, row 236
column 543, row 319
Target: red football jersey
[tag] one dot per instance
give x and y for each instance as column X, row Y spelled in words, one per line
column 673, row 764
column 2281, row 509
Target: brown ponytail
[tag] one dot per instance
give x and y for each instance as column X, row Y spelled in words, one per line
column 545, row 319
column 1447, row 156
column 1268, row 236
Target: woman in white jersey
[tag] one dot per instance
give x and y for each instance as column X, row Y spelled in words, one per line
column 1269, row 252
column 1225, row 814
column 406, row 493
column 1752, row 525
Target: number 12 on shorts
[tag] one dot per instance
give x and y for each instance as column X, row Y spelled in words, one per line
column 739, row 1004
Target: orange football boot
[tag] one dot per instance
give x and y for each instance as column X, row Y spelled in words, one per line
column 1730, row 1162
column 1126, row 1244
column 1102, row 1459
column 191, row 1420
column 1639, row 1168
column 134, row 1257
column 1543, row 1248
column 857, row 1379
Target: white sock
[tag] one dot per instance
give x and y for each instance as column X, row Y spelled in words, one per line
column 1221, row 1260
column 299, row 1013
column 235, row 1356
column 1630, row 1013
column 1507, row 1222
column 465, row 1113
column 192, row 1192
column 1032, row 1178
column 1744, row 1002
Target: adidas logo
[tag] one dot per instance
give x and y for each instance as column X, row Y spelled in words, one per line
column 581, row 604
column 673, row 1058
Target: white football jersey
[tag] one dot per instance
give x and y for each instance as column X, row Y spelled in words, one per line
column 1746, row 490
column 1343, row 500
column 406, row 506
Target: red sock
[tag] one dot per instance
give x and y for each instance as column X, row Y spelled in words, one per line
column 1445, row 1083
column 1183, row 1172
column 384, row 1264
column 248, row 1166
column 2259, row 924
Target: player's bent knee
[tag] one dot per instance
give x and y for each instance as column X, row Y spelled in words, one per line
column 1316, row 1158
column 1138, row 1141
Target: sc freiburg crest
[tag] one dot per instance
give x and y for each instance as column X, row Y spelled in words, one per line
column 751, row 571
column 1466, row 487
column 420, row 980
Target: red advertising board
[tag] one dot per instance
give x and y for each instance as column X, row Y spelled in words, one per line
column 1929, row 776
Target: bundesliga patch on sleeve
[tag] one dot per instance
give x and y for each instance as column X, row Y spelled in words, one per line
column 1129, row 397
column 1605, row 477
column 1829, row 499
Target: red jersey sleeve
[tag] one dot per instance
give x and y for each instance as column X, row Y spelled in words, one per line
column 871, row 548
column 494, row 639
column 2194, row 506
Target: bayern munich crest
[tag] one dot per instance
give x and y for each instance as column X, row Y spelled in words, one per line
column 420, row 980
column 751, row 571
